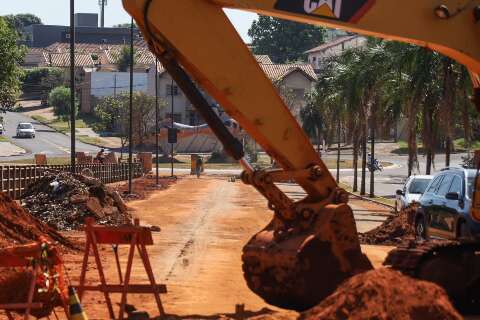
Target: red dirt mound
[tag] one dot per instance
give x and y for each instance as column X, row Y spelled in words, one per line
column 17, row 226
column 393, row 231
column 385, row 294
column 142, row 187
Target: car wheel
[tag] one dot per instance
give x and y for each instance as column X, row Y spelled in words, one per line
column 421, row 228
column 463, row 231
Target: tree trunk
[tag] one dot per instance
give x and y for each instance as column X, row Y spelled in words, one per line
column 364, row 163
column 338, row 150
column 356, row 144
column 448, row 150
column 372, row 152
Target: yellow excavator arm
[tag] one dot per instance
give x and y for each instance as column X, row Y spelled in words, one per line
column 311, row 245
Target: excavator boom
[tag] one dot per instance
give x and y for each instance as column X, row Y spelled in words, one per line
column 311, row 245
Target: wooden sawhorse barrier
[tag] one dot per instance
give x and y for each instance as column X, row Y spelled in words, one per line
column 137, row 237
column 30, row 257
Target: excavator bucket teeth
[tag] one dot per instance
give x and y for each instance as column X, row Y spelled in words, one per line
column 302, row 269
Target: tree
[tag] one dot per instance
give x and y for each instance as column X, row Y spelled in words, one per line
column 42, row 80
column 11, row 55
column 123, row 60
column 59, row 99
column 114, row 113
column 284, row 40
column 20, row 21
column 125, row 25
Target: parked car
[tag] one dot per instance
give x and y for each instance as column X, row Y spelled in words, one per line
column 2, row 129
column 25, row 130
column 445, row 205
column 412, row 190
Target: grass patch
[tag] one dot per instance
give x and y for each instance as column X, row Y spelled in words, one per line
column 460, row 144
column 4, row 139
column 90, row 140
column 389, row 202
column 59, row 125
column 51, row 161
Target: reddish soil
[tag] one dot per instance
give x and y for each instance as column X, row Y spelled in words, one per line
column 385, row 294
column 142, row 187
column 393, row 231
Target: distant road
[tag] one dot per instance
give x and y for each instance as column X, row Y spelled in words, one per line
column 47, row 140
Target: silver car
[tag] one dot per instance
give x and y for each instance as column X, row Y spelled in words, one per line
column 25, row 130
column 412, row 191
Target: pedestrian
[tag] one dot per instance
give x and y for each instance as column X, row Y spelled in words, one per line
column 100, row 158
column 198, row 166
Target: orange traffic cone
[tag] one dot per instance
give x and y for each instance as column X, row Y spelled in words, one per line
column 75, row 308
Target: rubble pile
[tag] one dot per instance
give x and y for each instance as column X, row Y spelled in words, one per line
column 63, row 201
column 17, row 226
column 393, row 231
column 384, row 294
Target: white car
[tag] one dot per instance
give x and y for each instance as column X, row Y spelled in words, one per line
column 2, row 129
column 412, row 191
column 25, row 130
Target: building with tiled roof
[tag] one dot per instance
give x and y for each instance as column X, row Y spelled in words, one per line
column 318, row 55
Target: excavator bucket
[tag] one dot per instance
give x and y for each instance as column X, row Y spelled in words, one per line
column 298, row 270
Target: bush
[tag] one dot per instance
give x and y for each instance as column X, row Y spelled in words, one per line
column 59, row 99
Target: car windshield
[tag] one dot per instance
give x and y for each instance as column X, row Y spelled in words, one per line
column 418, row 186
column 25, row 126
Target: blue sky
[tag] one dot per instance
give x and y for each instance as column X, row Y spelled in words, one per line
column 56, row 12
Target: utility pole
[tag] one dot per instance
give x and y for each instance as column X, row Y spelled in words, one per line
column 72, row 86
column 102, row 4
column 156, row 118
column 372, row 164
column 130, row 127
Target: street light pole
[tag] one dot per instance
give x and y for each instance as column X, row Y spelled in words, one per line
column 156, row 118
column 130, row 128
column 72, row 85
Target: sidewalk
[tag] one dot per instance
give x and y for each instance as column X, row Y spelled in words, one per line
column 8, row 149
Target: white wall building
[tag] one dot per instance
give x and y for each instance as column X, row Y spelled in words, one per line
column 334, row 48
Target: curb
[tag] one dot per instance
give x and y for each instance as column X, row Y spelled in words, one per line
column 371, row 200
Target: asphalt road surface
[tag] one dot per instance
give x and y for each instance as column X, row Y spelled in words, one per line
column 47, row 140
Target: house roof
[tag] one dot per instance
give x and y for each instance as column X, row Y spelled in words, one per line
column 276, row 72
column 332, row 44
column 263, row 59
column 63, row 59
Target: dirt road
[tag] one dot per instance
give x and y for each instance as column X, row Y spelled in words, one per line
column 205, row 223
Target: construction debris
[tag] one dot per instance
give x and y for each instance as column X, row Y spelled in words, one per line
column 63, row 201
column 384, row 294
column 395, row 230
column 17, row 226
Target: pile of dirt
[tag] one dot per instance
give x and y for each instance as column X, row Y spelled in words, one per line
column 63, row 201
column 384, row 294
column 395, row 230
column 142, row 187
column 17, row 226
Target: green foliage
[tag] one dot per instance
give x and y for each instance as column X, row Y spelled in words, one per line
column 125, row 25
column 59, row 99
column 284, row 40
column 42, row 80
column 11, row 55
column 20, row 21
column 114, row 113
column 123, row 59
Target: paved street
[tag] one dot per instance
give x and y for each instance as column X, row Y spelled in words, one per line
column 47, row 140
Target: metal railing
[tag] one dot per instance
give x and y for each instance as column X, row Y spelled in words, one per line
column 14, row 179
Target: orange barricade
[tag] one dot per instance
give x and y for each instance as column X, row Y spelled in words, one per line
column 136, row 237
